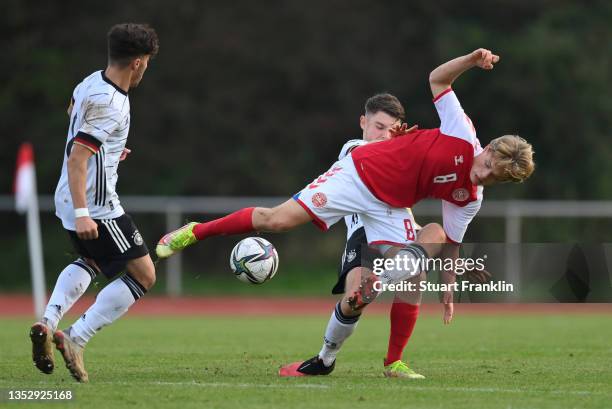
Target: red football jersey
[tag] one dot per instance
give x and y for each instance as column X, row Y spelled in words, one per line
column 429, row 163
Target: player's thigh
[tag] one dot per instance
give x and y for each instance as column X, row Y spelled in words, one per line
column 143, row 270
column 335, row 194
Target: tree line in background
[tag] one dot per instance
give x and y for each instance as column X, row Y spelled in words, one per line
column 250, row 98
column 253, row 99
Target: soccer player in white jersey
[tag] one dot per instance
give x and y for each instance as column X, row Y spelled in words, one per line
column 379, row 181
column 383, row 114
column 103, row 235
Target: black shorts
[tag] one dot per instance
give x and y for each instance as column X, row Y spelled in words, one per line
column 118, row 242
column 356, row 254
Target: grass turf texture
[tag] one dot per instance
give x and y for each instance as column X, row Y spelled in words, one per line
column 477, row 362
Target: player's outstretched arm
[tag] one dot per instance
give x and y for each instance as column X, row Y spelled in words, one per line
column 443, row 76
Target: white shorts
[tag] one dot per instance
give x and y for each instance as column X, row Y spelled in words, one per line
column 340, row 192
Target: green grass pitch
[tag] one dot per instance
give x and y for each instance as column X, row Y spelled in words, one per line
column 230, row 362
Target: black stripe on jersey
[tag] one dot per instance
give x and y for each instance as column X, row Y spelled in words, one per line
column 103, row 201
column 74, row 118
column 113, row 97
column 88, row 139
column 100, row 93
column 105, row 78
column 97, row 181
column 100, row 178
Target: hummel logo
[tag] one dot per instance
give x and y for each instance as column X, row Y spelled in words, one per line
column 458, row 160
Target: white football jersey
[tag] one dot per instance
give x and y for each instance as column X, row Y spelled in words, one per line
column 353, row 222
column 99, row 121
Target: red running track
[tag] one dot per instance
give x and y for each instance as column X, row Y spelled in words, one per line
column 15, row 305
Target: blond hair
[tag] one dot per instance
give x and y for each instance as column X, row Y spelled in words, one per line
column 513, row 158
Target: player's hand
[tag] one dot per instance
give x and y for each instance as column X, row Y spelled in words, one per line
column 124, row 154
column 448, row 313
column 86, row 228
column 401, row 129
column 484, row 58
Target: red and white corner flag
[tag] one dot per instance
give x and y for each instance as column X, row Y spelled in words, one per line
column 26, row 201
column 25, row 178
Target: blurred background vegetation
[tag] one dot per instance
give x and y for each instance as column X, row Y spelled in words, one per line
column 256, row 98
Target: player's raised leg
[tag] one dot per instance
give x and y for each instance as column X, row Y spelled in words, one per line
column 70, row 286
column 111, row 303
column 277, row 219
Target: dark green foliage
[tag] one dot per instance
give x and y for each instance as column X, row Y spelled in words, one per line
column 256, row 99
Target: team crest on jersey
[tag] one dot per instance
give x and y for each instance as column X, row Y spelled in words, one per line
column 351, row 256
column 461, row 194
column 319, row 200
column 458, row 160
column 137, row 238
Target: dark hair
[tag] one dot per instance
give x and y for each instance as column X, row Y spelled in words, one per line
column 127, row 41
column 387, row 103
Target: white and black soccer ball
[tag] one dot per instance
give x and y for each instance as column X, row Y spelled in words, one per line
column 254, row 260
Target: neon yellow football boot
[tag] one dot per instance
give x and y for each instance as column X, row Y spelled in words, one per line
column 176, row 241
column 399, row 369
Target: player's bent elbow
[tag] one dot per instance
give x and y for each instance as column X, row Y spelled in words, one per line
column 437, row 84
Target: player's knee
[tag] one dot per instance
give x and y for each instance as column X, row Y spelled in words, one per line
column 149, row 277
column 145, row 274
column 265, row 219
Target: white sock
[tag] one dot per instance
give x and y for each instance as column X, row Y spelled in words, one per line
column 111, row 303
column 409, row 262
column 70, row 286
column 339, row 328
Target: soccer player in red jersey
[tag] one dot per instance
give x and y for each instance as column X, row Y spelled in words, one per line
column 381, row 121
column 380, row 181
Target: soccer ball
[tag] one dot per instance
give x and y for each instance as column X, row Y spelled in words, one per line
column 254, row 260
